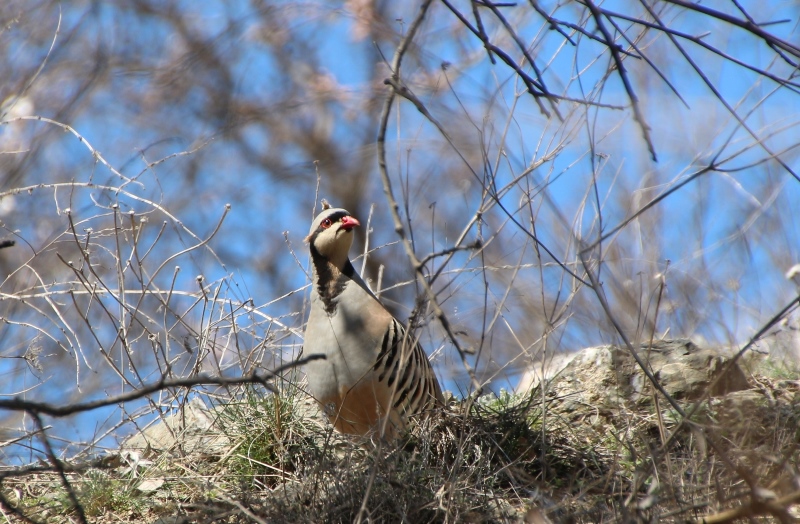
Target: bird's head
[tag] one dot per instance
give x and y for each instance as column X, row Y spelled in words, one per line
column 331, row 234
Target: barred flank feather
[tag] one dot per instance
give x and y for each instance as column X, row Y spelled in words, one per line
column 418, row 389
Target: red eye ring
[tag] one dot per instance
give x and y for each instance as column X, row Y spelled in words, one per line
column 326, row 223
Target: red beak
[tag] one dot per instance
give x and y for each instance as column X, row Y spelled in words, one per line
column 349, row 223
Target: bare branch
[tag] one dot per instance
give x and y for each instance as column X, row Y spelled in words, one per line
column 623, row 75
column 393, row 206
column 51, row 410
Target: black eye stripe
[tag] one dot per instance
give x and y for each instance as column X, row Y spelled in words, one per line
column 333, row 217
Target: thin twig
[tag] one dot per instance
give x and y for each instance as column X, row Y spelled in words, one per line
column 722, row 99
column 778, row 508
column 73, row 497
column 623, row 75
column 393, row 205
column 747, row 25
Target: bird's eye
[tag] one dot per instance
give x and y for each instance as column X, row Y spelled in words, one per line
column 326, row 223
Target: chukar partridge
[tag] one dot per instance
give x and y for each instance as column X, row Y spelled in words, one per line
column 374, row 375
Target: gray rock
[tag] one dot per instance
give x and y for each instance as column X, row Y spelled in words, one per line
column 605, row 377
column 193, row 429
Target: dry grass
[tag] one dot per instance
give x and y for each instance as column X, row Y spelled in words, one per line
column 494, row 460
